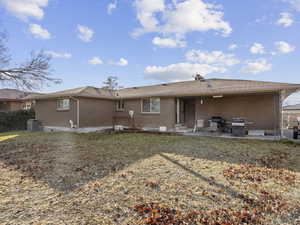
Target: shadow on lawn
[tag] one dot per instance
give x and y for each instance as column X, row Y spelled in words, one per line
column 67, row 161
column 227, row 189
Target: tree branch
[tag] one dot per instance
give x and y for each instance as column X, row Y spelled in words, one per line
column 30, row 75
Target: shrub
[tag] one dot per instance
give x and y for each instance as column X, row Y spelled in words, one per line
column 16, row 120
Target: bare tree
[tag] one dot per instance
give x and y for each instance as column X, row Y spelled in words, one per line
column 112, row 83
column 28, row 75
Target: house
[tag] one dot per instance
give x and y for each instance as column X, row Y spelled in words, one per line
column 291, row 113
column 14, row 100
column 170, row 105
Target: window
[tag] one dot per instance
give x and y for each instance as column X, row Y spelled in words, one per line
column 63, row 104
column 151, row 105
column 27, row 106
column 120, row 105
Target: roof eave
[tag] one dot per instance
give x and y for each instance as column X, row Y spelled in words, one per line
column 69, row 96
column 212, row 93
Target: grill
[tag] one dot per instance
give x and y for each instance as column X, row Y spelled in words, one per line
column 238, row 127
column 238, row 122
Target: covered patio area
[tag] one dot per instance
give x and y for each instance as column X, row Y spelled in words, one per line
column 261, row 113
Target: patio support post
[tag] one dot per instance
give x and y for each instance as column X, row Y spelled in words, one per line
column 281, row 99
column 177, row 110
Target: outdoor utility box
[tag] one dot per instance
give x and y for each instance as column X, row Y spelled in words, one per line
column 213, row 126
column 34, row 125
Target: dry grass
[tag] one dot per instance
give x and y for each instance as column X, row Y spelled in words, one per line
column 63, row 178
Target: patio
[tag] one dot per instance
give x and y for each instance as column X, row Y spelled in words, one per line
column 229, row 135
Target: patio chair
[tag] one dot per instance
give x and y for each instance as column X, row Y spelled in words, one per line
column 199, row 124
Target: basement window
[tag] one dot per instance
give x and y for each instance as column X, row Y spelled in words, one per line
column 150, row 105
column 120, row 106
column 63, row 104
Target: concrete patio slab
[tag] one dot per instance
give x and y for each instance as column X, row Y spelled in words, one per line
column 77, row 130
column 228, row 135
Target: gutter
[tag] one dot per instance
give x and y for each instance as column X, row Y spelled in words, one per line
column 78, row 110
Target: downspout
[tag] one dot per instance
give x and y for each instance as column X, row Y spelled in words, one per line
column 78, row 111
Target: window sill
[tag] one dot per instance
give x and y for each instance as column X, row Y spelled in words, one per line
column 151, row 113
column 120, row 110
column 62, row 110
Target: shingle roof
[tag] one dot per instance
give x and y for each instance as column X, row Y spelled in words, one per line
column 292, row 107
column 187, row 88
column 14, row 94
column 87, row 91
column 205, row 88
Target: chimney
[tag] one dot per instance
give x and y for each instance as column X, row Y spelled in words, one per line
column 199, row 77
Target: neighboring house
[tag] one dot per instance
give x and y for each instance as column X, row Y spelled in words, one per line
column 14, row 100
column 170, row 105
column 291, row 113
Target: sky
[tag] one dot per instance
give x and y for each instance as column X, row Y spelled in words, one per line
column 146, row 42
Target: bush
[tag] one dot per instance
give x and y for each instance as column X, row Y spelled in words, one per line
column 16, row 120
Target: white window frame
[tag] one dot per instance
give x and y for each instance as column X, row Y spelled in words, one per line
column 151, row 112
column 58, row 108
column 118, row 104
column 27, row 106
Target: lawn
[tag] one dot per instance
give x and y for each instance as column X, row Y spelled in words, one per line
column 63, row 178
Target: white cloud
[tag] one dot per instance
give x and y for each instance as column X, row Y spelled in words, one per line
column 168, row 43
column 232, row 47
column 25, row 8
column 295, row 4
column 262, row 19
column 214, row 57
column 256, row 66
column 85, row 34
column 39, row 32
column 59, row 55
column 180, row 71
column 257, row 48
column 285, row 20
column 121, row 62
column 95, row 61
column 284, row 47
column 111, row 7
column 179, row 18
column 146, row 14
